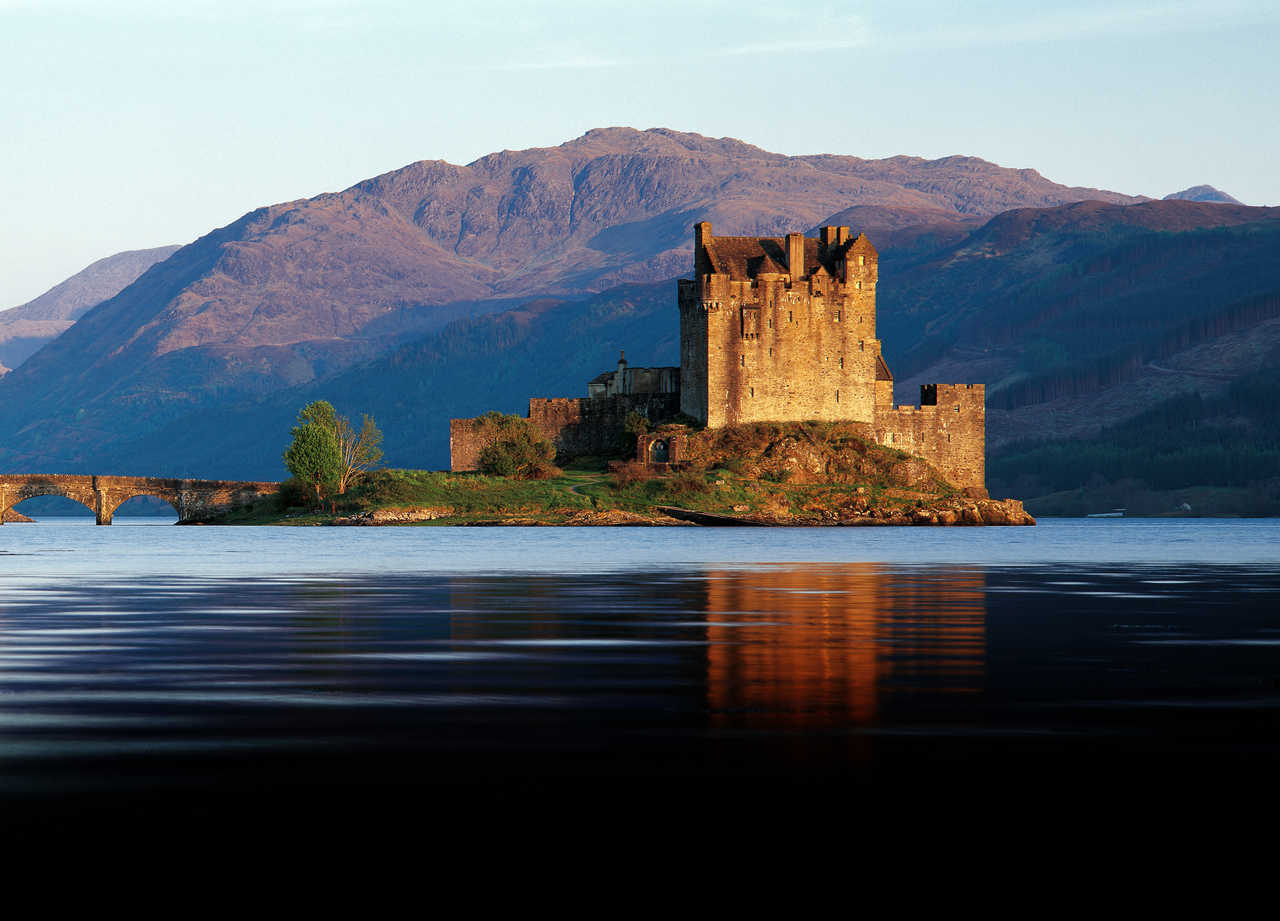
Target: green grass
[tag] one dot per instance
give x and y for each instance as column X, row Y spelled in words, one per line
column 474, row 497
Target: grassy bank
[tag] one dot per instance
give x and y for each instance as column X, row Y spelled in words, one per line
column 468, row 498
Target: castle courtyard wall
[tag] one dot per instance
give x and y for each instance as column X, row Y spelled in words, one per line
column 948, row 430
column 577, row 426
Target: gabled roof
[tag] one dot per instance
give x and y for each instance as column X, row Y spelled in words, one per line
column 762, row 265
column 743, row 258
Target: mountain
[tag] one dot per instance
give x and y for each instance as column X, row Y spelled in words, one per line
column 297, row 292
column 1080, row 320
column 1202, row 193
column 24, row 329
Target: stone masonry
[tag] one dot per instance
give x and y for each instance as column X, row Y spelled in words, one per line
column 780, row 329
column 193, row 500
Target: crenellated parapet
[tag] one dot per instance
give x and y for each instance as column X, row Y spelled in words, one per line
column 947, row 429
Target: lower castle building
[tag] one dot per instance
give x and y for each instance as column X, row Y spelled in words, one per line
column 772, row 329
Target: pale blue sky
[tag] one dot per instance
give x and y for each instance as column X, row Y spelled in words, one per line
column 135, row 123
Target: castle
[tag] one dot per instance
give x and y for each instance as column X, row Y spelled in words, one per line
column 772, row 329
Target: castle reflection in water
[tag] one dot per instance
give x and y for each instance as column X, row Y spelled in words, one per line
column 804, row 646
column 826, row 646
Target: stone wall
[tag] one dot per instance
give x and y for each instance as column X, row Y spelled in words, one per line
column 947, row 429
column 577, row 426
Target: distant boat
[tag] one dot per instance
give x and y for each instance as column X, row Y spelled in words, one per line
column 1114, row 513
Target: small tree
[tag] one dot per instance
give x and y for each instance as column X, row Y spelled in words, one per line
column 312, row 458
column 358, row 451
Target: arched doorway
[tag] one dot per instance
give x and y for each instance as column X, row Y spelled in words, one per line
column 659, row 451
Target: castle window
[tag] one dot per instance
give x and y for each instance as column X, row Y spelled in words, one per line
column 957, row 407
column 752, row 391
column 744, row 361
column 841, row 362
column 770, row 351
column 862, row 346
column 837, row 316
column 859, row 286
column 790, row 317
column 948, row 438
column 837, row 396
column 862, row 260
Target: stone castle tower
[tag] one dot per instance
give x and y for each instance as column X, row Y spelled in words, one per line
column 776, row 329
column 783, row 329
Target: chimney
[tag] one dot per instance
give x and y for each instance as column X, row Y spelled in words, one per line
column 795, row 255
column 701, row 258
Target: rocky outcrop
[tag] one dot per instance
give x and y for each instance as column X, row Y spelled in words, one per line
column 9, row 516
column 384, row 516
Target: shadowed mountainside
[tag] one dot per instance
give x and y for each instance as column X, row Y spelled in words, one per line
column 24, row 329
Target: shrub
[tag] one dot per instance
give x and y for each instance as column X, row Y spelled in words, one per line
column 687, row 481
column 514, row 448
column 629, row 474
column 295, row 494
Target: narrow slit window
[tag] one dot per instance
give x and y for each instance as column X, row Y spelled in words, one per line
column 790, row 317
column 837, row 396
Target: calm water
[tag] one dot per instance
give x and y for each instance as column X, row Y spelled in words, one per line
column 203, row 674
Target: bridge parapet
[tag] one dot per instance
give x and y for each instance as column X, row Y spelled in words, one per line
column 193, row 500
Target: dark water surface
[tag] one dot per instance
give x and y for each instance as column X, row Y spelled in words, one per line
column 204, row 675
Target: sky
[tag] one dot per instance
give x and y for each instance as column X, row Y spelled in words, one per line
column 134, row 123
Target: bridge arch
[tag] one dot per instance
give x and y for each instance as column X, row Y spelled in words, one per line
column 112, row 502
column 191, row 499
column 11, row 496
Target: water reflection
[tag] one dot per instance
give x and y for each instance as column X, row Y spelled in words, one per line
column 824, row 646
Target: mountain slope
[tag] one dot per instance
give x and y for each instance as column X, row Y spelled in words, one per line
column 25, row 329
column 1037, row 305
column 296, row 292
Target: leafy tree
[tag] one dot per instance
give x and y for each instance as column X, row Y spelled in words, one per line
column 328, row 453
column 312, row 458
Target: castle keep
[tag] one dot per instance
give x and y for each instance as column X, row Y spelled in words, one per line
column 773, row 329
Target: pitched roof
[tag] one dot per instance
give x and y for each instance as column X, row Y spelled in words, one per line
column 742, row 258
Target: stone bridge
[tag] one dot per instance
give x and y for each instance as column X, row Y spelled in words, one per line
column 193, row 500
